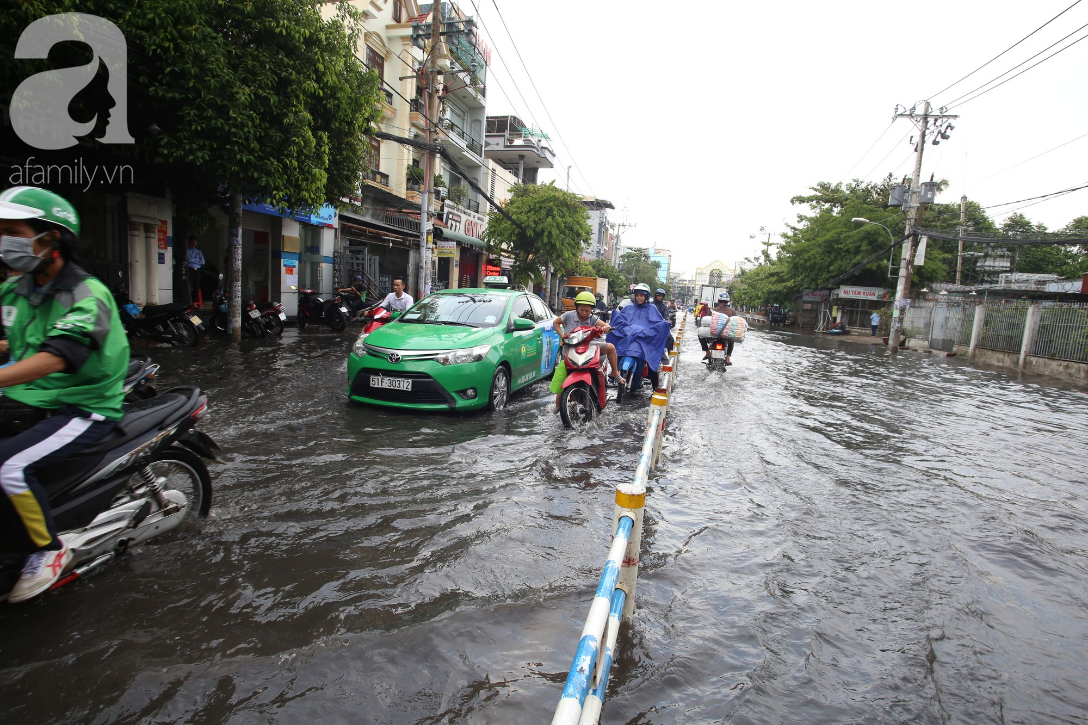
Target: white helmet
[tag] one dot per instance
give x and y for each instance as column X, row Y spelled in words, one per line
column 723, row 298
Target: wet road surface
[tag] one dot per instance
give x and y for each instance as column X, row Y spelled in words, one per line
column 833, row 535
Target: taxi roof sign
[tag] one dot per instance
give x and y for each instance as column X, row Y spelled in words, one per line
column 496, row 279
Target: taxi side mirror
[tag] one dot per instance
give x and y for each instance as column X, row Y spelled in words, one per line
column 521, row 324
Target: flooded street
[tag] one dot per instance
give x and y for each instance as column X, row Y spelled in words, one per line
column 833, row 535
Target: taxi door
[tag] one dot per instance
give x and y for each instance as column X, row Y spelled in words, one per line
column 527, row 345
column 549, row 336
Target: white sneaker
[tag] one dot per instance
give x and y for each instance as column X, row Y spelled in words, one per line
column 41, row 571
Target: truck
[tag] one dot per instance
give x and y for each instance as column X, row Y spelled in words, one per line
column 574, row 285
column 709, row 293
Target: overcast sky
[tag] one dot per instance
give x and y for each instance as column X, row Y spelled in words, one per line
column 699, row 126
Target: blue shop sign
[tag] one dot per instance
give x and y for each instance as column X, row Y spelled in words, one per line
column 323, row 217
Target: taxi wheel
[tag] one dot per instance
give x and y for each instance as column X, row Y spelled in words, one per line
column 500, row 389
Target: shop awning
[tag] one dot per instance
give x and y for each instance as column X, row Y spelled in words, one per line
column 463, row 238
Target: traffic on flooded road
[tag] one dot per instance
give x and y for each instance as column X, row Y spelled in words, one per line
column 826, row 538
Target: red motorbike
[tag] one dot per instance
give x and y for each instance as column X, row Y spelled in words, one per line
column 374, row 318
column 583, row 393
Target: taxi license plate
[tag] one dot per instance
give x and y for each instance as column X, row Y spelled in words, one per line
column 283, row 317
column 195, row 320
column 376, row 381
column 254, row 313
column 717, row 353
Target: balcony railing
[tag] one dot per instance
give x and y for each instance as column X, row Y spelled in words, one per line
column 377, row 177
column 472, row 144
column 415, row 185
column 417, row 106
column 401, row 221
column 389, row 97
column 473, row 205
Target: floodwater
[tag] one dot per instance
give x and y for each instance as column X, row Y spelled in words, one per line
column 833, row 536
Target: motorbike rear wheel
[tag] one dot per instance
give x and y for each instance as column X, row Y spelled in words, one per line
column 576, row 406
column 253, row 327
column 185, row 333
column 337, row 320
column 180, row 470
column 273, row 324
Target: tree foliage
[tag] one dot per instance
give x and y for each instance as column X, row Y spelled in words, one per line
column 263, row 95
column 554, row 231
column 637, row 267
column 824, row 244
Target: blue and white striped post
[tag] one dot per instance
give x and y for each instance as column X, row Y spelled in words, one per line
column 591, row 711
column 575, row 691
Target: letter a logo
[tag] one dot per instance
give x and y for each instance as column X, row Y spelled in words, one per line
column 39, row 106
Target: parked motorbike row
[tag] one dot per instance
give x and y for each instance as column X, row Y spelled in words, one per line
column 144, row 480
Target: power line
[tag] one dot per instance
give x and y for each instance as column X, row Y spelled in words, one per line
column 890, row 152
column 533, row 84
column 1010, row 70
column 991, row 60
column 1041, row 196
column 1078, row 138
column 867, row 151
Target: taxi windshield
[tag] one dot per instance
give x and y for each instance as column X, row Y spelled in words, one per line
column 469, row 310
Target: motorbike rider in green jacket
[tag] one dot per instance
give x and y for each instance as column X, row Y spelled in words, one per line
column 63, row 391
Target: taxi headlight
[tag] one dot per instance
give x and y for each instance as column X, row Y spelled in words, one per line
column 358, row 347
column 468, row 355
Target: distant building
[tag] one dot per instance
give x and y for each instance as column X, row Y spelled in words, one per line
column 663, row 257
column 598, row 222
column 717, row 274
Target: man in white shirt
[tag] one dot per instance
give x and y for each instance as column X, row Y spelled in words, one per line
column 398, row 300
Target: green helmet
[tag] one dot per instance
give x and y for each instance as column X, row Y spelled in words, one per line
column 30, row 202
column 585, row 298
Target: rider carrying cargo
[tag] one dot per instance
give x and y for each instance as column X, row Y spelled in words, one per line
column 722, row 307
column 581, row 316
column 64, row 390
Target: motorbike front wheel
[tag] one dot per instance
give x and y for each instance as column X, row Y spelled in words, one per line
column 337, row 320
column 576, row 405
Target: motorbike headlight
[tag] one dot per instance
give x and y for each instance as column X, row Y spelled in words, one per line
column 468, row 355
column 358, row 348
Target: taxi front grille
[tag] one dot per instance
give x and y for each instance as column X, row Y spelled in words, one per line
column 425, row 389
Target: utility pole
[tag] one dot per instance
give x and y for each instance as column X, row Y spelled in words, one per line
column 429, row 73
column 568, row 178
column 906, row 264
column 963, row 227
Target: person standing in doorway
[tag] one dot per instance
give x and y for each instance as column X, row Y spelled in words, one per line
column 194, row 260
column 874, row 322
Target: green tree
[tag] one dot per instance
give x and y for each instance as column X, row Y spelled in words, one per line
column 637, row 267
column 260, row 100
column 554, row 231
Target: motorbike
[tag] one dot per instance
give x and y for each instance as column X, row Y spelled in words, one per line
column 634, row 371
column 274, row 314
column 174, row 323
column 718, row 348
column 145, row 479
column 374, row 318
column 584, row 389
column 253, row 323
column 141, row 371
column 315, row 310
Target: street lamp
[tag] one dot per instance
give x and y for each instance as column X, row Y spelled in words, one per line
column 863, row 220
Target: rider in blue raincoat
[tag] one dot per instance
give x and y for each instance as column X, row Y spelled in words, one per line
column 639, row 330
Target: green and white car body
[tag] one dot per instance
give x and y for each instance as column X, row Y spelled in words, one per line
column 461, row 349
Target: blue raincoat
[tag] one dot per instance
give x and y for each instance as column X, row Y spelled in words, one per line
column 640, row 331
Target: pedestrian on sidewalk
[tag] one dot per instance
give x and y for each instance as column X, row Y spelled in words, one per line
column 874, row 322
column 194, row 260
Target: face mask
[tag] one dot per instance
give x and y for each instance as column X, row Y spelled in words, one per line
column 18, row 253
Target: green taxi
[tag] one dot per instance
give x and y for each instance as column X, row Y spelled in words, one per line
column 460, row 349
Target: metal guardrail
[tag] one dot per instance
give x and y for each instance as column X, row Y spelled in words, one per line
column 583, row 694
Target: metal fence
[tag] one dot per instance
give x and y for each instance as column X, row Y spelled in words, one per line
column 1062, row 333
column 1004, row 326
